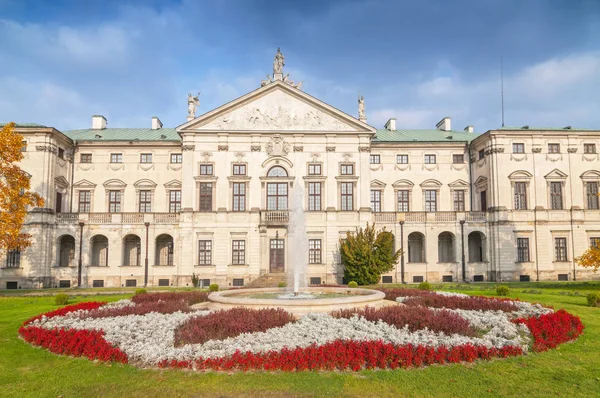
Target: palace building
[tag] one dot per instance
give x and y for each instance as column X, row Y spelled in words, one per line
column 211, row 198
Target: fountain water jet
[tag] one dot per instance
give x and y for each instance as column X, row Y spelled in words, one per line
column 298, row 239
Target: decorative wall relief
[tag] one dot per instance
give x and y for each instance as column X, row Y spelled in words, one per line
column 330, row 148
column 518, row 158
column 277, row 146
column 223, row 148
column 187, row 148
column 255, row 148
column 554, row 158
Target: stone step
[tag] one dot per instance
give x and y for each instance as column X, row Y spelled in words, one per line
column 267, row 280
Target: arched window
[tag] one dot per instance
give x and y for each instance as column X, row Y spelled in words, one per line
column 277, row 171
column 446, row 248
column 99, row 251
column 416, row 248
column 476, row 247
column 164, row 250
column 132, row 250
column 66, row 250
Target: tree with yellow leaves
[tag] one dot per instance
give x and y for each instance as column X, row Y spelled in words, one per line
column 15, row 196
column 590, row 258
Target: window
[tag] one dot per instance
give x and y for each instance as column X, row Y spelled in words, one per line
column 553, row 148
column 315, row 280
column 560, row 249
column 481, row 154
column 563, row 277
column 556, row 199
column 277, row 196
column 163, row 282
column 146, row 158
column 206, row 196
column 518, row 148
column 375, row 200
column 459, row 200
column 430, row 200
column 116, row 158
column 456, row 159
column 206, row 169
column 592, row 195
column 145, row 201
column 430, row 159
column 238, row 282
column 86, row 158
column 239, row 195
column 523, row 250
column 403, row 205
column 23, row 146
column 314, row 196
column 238, row 252
column 524, row 278
column 277, row 171
column 478, row 278
column 520, row 196
column 347, row 196
column 59, row 201
column 64, row 283
column 375, row 159
column 85, row 198
column 97, row 283
column 314, row 169
column 204, row 282
column 446, row 278
column 589, row 148
column 595, row 242
column 483, row 200
column 418, row 279
column 174, row 201
column 114, row 201
column 314, row 251
column 386, row 279
column 204, row 252
column 61, row 153
column 176, row 158
column 239, row 169
column 130, row 282
column 347, row 169
column 402, row 159
column 13, row 258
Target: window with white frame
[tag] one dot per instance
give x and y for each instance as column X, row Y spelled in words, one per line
column 556, row 195
column 402, row 196
column 591, row 191
column 174, row 201
column 176, row 158
column 430, row 200
column 145, row 201
column 206, row 169
column 204, row 252
column 430, row 159
column 553, row 148
column 589, row 148
column 560, row 249
column 347, row 169
column 239, row 169
column 374, row 159
column 238, row 255
column 116, row 158
column 145, row 158
column 402, row 159
column 458, row 158
column 86, row 158
column 85, row 201
column 347, row 196
column 114, row 201
column 314, row 251
column 520, row 192
column 376, row 200
column 314, row 169
column 314, row 196
column 239, row 196
column 523, row 250
column 518, row 147
column 459, row 200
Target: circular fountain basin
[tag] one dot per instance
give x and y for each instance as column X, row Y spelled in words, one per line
column 309, row 299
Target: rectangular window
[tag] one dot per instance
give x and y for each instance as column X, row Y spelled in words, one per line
column 386, row 279
column 592, row 195
column 206, row 169
column 417, row 278
column 595, row 242
column 403, row 205
column 481, row 154
column 456, row 159
column 314, row 196
column 556, row 197
column 114, row 201
column 589, row 148
column 13, row 258
column 239, row 169
column 524, row 278
column 204, row 252
column 459, row 200
column 518, row 148
column 238, row 282
column 402, row 159
column 430, row 159
column 239, row 196
column 347, row 196
column 520, row 196
column 174, row 201
column 116, row 158
column 58, row 202
column 277, row 198
column 347, row 169
column 23, row 146
column 130, row 282
column 97, row 283
column 206, row 196
column 176, row 158
column 523, row 250
column 61, row 153
column 163, row 282
column 64, row 283
column 146, row 158
column 375, row 200
column 86, row 158
column 446, row 278
column 560, row 249
column 314, row 251
column 315, row 280
column 478, row 278
column 563, row 277
column 553, row 148
column 430, row 200
column 238, row 256
column 483, row 200
column 314, row 169
column 374, row 159
column 85, row 199
column 145, row 201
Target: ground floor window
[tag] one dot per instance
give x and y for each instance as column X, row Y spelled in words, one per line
column 238, row 282
column 522, row 250
column 314, row 251
column 204, row 252
column 238, row 252
column 560, row 248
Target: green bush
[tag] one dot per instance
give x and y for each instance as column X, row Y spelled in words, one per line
column 593, row 299
column 353, row 284
column 141, row 290
column 424, row 286
column 281, row 284
column 213, row 287
column 61, row 299
column 502, row 290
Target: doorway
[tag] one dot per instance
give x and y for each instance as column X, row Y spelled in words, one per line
column 276, row 256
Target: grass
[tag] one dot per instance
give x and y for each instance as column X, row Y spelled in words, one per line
column 571, row 370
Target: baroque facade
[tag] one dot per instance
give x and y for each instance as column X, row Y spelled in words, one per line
column 135, row 206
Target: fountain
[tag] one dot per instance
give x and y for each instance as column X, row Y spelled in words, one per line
column 298, row 240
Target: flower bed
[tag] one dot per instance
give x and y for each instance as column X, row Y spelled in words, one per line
column 161, row 330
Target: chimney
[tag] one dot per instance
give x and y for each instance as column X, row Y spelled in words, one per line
column 469, row 129
column 98, row 122
column 156, row 123
column 391, row 124
column 444, row 124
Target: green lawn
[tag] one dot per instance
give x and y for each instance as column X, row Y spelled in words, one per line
column 571, row 370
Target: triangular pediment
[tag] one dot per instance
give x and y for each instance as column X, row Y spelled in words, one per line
column 556, row 174
column 61, row 182
column 173, row 184
column 276, row 107
column 459, row 184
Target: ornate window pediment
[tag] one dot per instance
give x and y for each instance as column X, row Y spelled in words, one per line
column 144, row 183
column 459, row 184
column 377, row 184
column 82, row 184
column 406, row 184
column 114, row 183
column 61, row 182
column 591, row 175
column 555, row 174
column 520, row 175
column 481, row 182
column 431, row 184
column 173, row 184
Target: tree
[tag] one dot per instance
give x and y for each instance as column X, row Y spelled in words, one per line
column 590, row 258
column 366, row 254
column 15, row 197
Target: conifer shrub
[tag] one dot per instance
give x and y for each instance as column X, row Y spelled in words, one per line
column 593, row 300
column 61, row 299
column 139, row 291
column 502, row 290
column 281, row 284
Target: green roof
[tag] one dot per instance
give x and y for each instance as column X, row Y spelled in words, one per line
column 124, row 134
column 537, row 128
column 431, row 135
column 24, row 125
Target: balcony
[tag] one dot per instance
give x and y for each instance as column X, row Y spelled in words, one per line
column 118, row 218
column 391, row 217
column 274, row 217
column 67, row 218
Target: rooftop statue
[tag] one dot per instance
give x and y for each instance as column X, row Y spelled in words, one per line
column 361, row 108
column 279, row 62
column 193, row 103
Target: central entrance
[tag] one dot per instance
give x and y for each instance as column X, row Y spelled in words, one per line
column 276, row 256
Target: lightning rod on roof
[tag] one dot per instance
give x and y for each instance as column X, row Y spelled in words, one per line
column 502, row 85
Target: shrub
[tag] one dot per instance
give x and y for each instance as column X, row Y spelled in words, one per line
column 61, row 299
column 140, row 291
column 593, row 299
column 222, row 324
column 195, row 280
column 352, row 284
column 213, row 287
column 502, row 290
column 424, row 286
column 281, row 284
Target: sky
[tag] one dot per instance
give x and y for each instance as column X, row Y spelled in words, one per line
column 418, row 61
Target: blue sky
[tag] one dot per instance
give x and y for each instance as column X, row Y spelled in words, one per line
column 63, row 61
